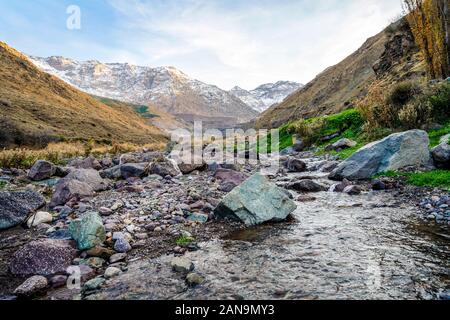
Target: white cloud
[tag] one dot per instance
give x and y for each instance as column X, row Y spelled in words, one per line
column 229, row 44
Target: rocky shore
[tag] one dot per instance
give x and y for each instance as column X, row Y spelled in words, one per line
column 96, row 219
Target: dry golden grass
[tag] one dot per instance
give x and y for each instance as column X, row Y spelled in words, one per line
column 37, row 108
column 59, row 153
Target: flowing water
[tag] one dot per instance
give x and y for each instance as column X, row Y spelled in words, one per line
column 370, row 246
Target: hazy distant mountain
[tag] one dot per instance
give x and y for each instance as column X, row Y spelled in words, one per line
column 266, row 95
column 165, row 88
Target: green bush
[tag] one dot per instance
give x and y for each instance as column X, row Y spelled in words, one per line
column 439, row 99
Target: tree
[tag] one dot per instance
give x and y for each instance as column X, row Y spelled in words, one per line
column 429, row 21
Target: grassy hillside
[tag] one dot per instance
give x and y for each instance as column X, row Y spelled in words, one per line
column 391, row 56
column 37, row 108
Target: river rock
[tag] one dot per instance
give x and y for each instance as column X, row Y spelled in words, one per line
column 112, row 272
column 117, row 257
column 187, row 168
column 295, row 165
column 38, row 218
column 88, row 232
column 229, row 178
column 113, row 173
column 396, row 152
column 87, row 163
column 42, row 257
column 352, row 190
column 194, row 279
column 141, row 157
column 165, row 168
column 32, row 286
column 67, row 189
column 122, row 246
column 182, row 265
column 16, row 206
column 89, row 176
column 441, row 156
column 41, row 170
column 341, row 144
column 133, row 170
column 256, row 201
column 306, row 185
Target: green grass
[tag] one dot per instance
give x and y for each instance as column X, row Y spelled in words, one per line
column 435, row 135
column 3, row 185
column 183, row 241
column 435, row 179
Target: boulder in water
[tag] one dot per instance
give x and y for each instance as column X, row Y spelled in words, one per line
column 256, row 201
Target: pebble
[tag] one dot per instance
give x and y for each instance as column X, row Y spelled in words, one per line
column 122, row 246
column 93, row 284
column 117, row 257
column 182, row 265
column 112, row 272
column 58, row 281
column 38, row 218
column 194, row 279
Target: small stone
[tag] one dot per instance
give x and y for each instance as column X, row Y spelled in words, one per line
column 93, row 284
column 198, row 217
column 122, row 246
column 100, row 252
column 111, row 272
column 38, row 218
column 352, row 190
column 194, row 279
column 32, row 286
column 95, row 262
column 117, row 257
column 182, row 265
column 105, row 211
column 58, row 281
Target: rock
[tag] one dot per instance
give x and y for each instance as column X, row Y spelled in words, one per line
column 168, row 167
column 61, row 171
column 38, row 218
column 93, row 284
column 100, row 252
column 299, row 145
column 42, row 257
column 88, row 232
column 441, row 156
column 41, row 170
column 94, row 262
column 352, row 190
column 32, row 286
column 112, row 272
column 58, row 281
column 198, row 165
column 198, row 217
column 295, row 165
column 89, row 176
column 105, row 211
column 122, row 246
column 86, row 272
column 396, row 152
column 67, row 189
column 256, row 201
column 230, row 177
column 378, row 185
column 141, row 157
column 341, row 144
column 306, row 185
column 16, row 206
column 134, row 170
column 182, row 265
column 194, row 279
column 329, row 166
column 330, row 137
column 113, row 173
column 340, row 187
column 87, row 163
column 117, row 257
column 227, row 187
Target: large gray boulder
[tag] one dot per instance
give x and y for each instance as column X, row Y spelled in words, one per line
column 441, row 155
column 90, row 177
column 16, row 206
column 166, row 167
column 396, row 152
column 42, row 257
column 134, row 170
column 256, row 201
column 41, row 170
column 67, row 189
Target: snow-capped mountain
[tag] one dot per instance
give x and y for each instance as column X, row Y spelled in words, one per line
column 266, row 95
column 165, row 88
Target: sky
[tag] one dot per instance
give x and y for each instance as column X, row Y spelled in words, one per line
column 221, row 42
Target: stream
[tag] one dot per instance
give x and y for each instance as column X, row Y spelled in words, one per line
column 369, row 246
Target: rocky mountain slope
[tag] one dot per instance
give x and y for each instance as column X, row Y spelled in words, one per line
column 36, row 108
column 390, row 56
column 166, row 88
column 266, row 95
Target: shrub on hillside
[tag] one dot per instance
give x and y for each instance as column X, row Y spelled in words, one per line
column 439, row 98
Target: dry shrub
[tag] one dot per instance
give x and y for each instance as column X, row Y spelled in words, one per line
column 415, row 114
column 307, row 130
